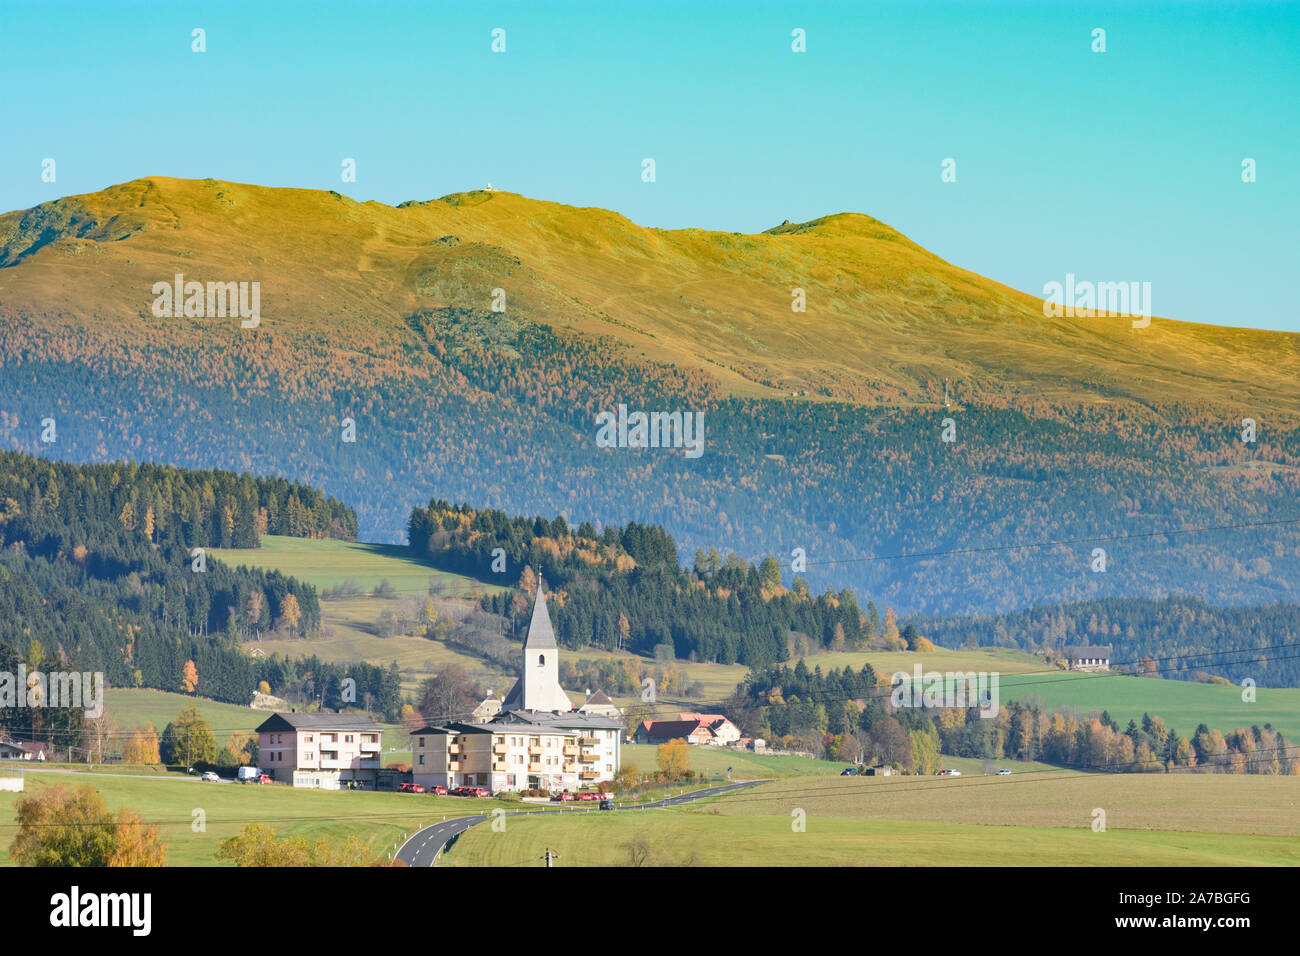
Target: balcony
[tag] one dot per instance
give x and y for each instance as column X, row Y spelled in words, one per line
column 589, row 775
column 589, row 758
column 534, row 751
column 501, row 768
column 589, row 741
column 570, row 750
column 370, row 746
column 534, row 768
column 499, row 748
column 454, row 765
column 570, row 768
column 454, row 750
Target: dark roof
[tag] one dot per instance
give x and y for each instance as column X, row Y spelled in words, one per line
column 295, row 721
column 454, row 727
column 572, row 720
column 669, row 728
column 600, row 697
column 1074, row 651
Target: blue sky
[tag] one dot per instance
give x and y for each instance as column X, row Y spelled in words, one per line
column 1115, row 166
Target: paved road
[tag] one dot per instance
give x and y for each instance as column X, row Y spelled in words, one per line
column 423, row 847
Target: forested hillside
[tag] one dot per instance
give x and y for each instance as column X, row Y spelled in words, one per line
column 98, row 570
column 623, row 588
column 823, row 430
column 1177, row 637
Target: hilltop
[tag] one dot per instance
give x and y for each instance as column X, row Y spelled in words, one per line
column 886, row 320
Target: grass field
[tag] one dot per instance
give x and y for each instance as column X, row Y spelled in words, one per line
column 1220, row 803
column 1182, row 704
column 327, row 562
column 681, row 837
column 129, row 708
column 378, row 818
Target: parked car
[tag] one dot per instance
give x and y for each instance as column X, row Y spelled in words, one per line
column 588, row 796
column 948, row 773
column 439, row 791
column 410, row 788
column 1004, row 773
column 263, row 778
column 480, row 792
column 210, row 777
column 247, row 774
column 563, row 797
column 607, row 804
column 850, row 772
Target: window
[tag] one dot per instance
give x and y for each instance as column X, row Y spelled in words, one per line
column 347, row 739
column 307, row 739
column 421, row 760
column 421, row 741
column 541, row 661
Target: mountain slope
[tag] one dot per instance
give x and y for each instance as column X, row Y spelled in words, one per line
column 1080, row 431
column 885, row 319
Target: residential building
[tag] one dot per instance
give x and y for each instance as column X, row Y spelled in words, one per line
column 1087, row 658
column 320, row 751
column 712, row 730
column 600, row 705
column 22, row 750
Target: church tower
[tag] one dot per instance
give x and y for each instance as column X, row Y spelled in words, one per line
column 538, row 687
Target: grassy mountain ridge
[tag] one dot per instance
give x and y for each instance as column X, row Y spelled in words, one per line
column 886, row 320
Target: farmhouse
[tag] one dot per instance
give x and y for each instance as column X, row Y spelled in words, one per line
column 1087, row 658
column 22, row 750
column 707, row 729
column 321, row 751
column 537, row 741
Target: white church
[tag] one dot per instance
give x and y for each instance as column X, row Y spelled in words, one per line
column 537, row 742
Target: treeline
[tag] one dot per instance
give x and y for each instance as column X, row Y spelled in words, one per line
column 333, row 685
column 505, row 415
column 849, row 716
column 623, row 588
column 1183, row 637
column 98, row 586
column 168, row 505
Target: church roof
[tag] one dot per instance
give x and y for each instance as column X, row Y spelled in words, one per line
column 541, row 635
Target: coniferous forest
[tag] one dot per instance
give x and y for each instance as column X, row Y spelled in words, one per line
column 99, row 571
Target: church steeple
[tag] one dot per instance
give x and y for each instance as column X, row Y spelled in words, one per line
column 538, row 687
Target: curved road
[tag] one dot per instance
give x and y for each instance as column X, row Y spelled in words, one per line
column 423, row 847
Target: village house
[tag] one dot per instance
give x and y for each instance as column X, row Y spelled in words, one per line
column 320, row 751
column 713, row 730
column 1087, row 658
column 22, row 750
column 537, row 741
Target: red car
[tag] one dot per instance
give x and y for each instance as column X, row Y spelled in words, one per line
column 563, row 797
column 263, row 778
column 480, row 792
column 410, row 788
column 588, row 796
column 438, row 791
